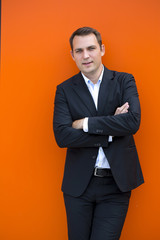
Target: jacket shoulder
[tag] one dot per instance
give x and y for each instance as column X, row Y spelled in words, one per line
column 68, row 82
column 121, row 74
column 122, row 77
column 114, row 75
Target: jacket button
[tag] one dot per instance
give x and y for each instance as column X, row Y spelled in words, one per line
column 94, row 157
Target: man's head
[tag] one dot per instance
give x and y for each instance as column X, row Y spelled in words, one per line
column 87, row 51
column 84, row 31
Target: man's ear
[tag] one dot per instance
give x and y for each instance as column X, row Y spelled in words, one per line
column 102, row 50
column 71, row 52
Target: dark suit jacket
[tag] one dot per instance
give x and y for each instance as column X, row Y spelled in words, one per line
column 73, row 101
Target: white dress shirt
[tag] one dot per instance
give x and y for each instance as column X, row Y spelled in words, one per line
column 101, row 161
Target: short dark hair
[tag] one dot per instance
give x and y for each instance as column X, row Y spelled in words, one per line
column 83, row 32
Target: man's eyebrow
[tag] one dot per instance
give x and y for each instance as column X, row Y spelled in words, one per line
column 86, row 47
column 91, row 46
column 78, row 49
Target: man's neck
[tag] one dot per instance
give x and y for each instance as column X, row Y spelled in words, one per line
column 94, row 77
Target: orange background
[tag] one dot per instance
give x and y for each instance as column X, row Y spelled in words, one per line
column 35, row 58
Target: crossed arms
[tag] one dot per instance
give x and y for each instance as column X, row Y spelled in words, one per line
column 125, row 121
column 78, row 124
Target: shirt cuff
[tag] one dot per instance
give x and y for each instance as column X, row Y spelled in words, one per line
column 110, row 138
column 85, row 125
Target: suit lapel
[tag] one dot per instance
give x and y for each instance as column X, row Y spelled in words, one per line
column 105, row 91
column 82, row 91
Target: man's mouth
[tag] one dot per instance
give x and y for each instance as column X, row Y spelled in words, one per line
column 87, row 63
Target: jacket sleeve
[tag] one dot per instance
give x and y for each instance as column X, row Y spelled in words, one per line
column 122, row 124
column 65, row 135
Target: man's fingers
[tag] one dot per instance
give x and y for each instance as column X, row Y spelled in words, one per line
column 122, row 109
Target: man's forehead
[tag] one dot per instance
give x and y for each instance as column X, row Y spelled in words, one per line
column 84, row 41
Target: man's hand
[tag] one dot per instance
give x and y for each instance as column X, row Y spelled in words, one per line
column 78, row 124
column 122, row 109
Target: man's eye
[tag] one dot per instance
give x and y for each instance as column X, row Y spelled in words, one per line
column 91, row 48
column 78, row 51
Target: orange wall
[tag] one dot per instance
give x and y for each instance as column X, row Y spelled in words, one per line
column 35, row 58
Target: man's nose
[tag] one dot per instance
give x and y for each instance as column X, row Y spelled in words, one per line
column 85, row 54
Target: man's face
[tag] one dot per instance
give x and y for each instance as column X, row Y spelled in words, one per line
column 87, row 54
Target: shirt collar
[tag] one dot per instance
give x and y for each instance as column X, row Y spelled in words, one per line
column 87, row 80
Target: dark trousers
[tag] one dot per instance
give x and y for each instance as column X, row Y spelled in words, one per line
column 99, row 213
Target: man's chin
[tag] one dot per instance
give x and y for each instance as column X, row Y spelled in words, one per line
column 88, row 70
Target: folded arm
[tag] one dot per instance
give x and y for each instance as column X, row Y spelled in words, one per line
column 65, row 134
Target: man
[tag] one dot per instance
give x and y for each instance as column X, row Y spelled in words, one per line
column 96, row 113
